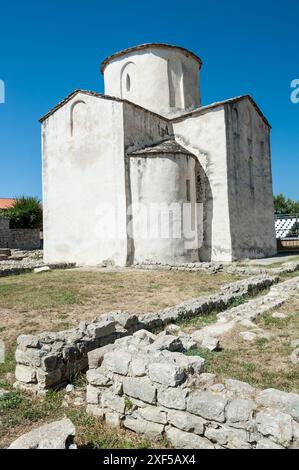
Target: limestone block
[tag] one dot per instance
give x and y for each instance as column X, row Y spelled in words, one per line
column 153, row 413
column 117, row 361
column 196, row 364
column 139, row 364
column 28, row 341
column 267, row 444
column 210, row 343
column 25, row 374
column 283, row 401
column 140, row 388
column 295, row 442
column 239, row 412
column 28, row 357
column 140, row 426
column 92, row 395
column 145, row 336
column 186, row 421
column 101, row 329
column 42, row 269
column 184, row 440
column 228, row 437
column 207, row 405
column 126, row 320
column 166, row 374
column 275, row 425
column 113, row 402
column 242, row 389
column 95, row 377
column 56, row 435
column 95, row 357
column 173, row 329
column 188, row 343
column 168, row 342
column 174, row 398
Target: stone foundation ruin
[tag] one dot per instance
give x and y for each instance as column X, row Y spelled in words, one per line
column 154, row 385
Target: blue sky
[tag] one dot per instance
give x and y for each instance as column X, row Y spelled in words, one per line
column 49, row 48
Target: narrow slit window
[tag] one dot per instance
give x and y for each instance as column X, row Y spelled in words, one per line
column 128, row 82
column 251, row 177
column 188, row 193
column 262, row 149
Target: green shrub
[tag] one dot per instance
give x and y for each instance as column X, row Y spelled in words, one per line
column 25, row 213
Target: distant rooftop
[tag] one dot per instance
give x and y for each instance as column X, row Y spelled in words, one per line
column 6, row 202
column 148, row 46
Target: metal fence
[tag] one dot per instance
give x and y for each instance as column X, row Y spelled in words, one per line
column 287, row 232
column 287, row 226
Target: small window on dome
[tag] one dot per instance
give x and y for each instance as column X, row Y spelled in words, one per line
column 128, row 82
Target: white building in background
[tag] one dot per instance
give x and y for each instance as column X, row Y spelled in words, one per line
column 121, row 168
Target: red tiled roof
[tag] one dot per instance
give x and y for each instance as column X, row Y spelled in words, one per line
column 6, row 202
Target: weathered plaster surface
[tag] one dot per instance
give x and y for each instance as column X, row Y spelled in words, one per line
column 161, row 80
column 250, row 196
column 87, row 166
column 205, row 136
column 83, row 166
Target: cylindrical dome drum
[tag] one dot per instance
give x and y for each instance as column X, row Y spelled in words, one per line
column 158, row 77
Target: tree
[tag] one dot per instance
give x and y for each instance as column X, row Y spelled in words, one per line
column 282, row 205
column 25, row 213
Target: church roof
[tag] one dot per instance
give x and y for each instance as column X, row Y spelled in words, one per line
column 147, row 46
column 216, row 104
column 194, row 112
column 166, row 146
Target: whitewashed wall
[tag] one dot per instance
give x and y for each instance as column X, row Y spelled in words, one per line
column 204, row 135
column 83, row 168
column 163, row 80
column 250, row 182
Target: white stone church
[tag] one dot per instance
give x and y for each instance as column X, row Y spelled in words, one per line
column 120, row 168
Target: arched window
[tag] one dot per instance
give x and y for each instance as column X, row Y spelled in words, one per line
column 78, row 116
column 175, row 83
column 127, row 80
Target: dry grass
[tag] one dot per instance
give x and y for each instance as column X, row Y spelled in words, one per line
column 58, row 300
column 21, row 413
column 264, row 363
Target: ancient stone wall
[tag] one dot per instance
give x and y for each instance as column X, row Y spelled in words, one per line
column 23, row 239
column 4, row 232
column 144, row 384
column 52, row 359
